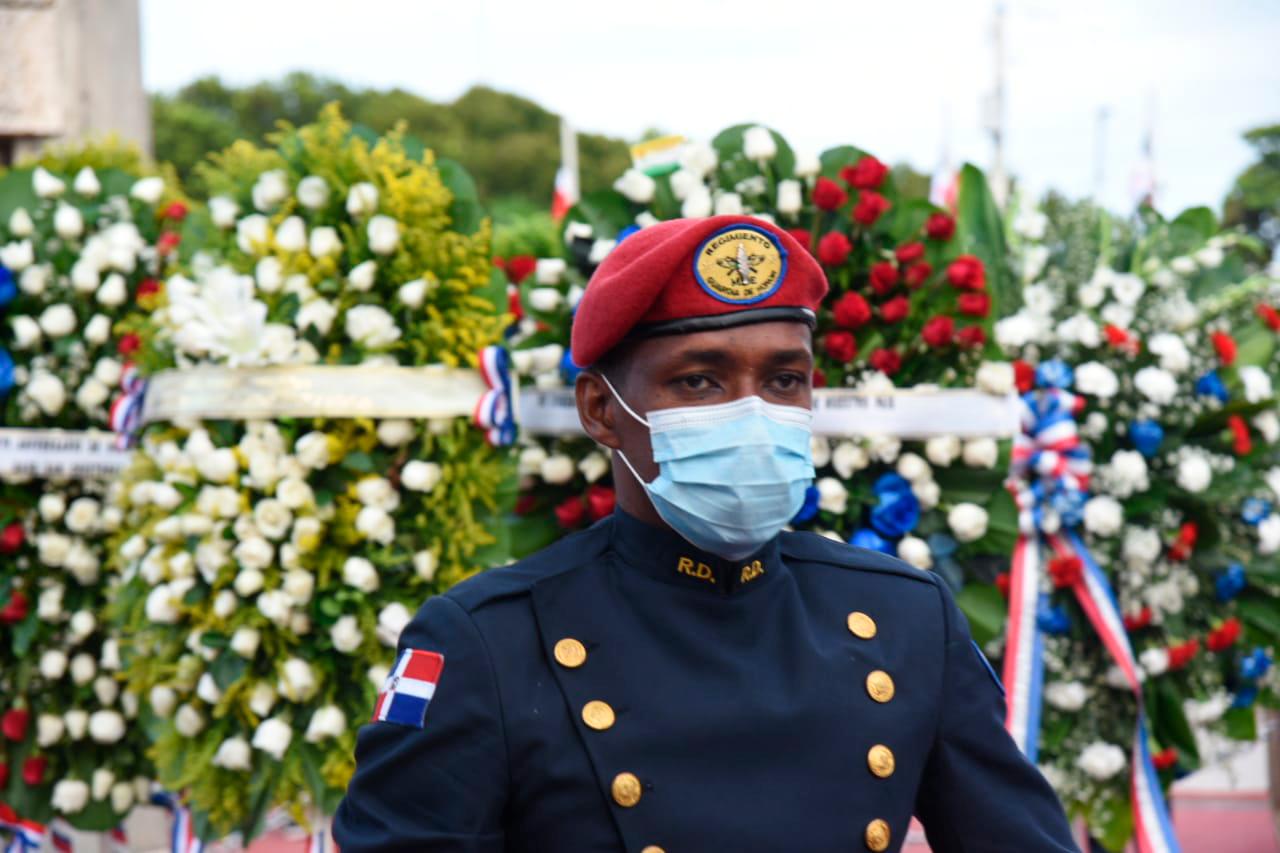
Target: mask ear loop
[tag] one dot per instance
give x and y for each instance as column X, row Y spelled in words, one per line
column 633, row 414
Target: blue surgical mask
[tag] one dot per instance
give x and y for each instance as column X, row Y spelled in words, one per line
column 730, row 476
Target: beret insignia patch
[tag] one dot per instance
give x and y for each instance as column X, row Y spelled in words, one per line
column 740, row 264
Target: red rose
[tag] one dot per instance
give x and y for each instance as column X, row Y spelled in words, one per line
column 525, row 504
column 33, row 769
column 1224, row 636
column 840, row 346
column 514, row 308
column 11, row 538
column 1024, row 376
column 1225, row 346
column 918, row 274
column 884, row 276
column 176, row 210
column 499, row 263
column 1185, row 543
column 870, row 207
column 895, row 310
column 851, row 311
column 15, row 609
column 1240, row 441
column 827, row 195
column 1181, row 654
column 1002, row 584
column 14, row 723
column 520, row 267
column 1269, row 315
column 600, row 500
column 967, row 273
column 819, row 378
column 974, row 304
column 168, row 241
column 128, row 344
column 1165, row 758
column 801, row 235
column 909, row 253
column 1141, row 619
column 4, row 779
column 1066, row 571
column 570, row 512
column 971, row 336
column 834, row 249
column 939, row 226
column 887, row 361
column 867, row 174
column 939, row 331
column 148, row 287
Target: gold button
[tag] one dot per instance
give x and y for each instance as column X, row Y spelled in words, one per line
column 570, row 653
column 878, row 835
column 626, row 790
column 880, row 760
column 861, row 625
column 880, row 685
column 598, row 715
column 653, row 848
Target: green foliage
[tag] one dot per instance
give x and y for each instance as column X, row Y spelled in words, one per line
column 1254, row 200
column 510, row 145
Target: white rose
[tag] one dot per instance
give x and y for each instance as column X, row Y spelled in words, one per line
column 549, row 270
column 847, row 458
column 276, row 606
column 967, row 521
column 424, row 564
column 384, row 235
column 883, row 447
column 697, row 205
column 148, row 190
column 1156, row 384
column 360, row 573
column 297, row 680
column 346, row 635
column 1155, row 661
column 636, row 186
column 728, row 204
column 995, row 377
column 206, row 688
column 376, row 524
column 927, row 492
column 252, row 233
column 254, row 553
column 272, row 737
column 362, row 199
column 1103, row 515
column 981, row 453
column 832, row 496
column 1269, row 535
column 1257, row 384
column 684, row 182
column 82, row 562
column 593, row 466
column 34, row 279
column 233, row 754
column 1066, row 695
column 106, row 726
column 91, row 395
column 291, row 235
column 395, row 432
column 82, row 624
column 98, row 329
column 53, row 664
column 49, row 606
column 53, row 548
column 1210, row 256
column 45, row 184
column 1127, row 288
column 248, row 582
column 1268, row 425
column 362, row 276
column 270, row 189
column 312, row 450
column 790, row 198
column 107, row 371
column 1141, row 545
column 268, row 273
column 758, row 144
column 913, row 468
column 17, row 256
column 326, row 722
column 51, row 507
column 225, row 602
column 412, row 293
column 530, row 461
column 107, row 689
column 70, row 795
column 544, row 299
column 1194, row 473
column 272, row 518
column 1210, row 710
column 162, row 700
column 223, row 211
column 420, row 476
column 244, row 642
column 83, row 668
column 1101, row 760
column 67, row 222
column 262, row 698
column 1096, row 379
column 371, row 327
column 1173, row 353
column 324, row 242
column 915, row 551
column 121, row 797
column 1126, row 473
column 557, row 469
column 77, row 723
column 299, row 585
column 110, row 658
column 942, row 450
column 313, row 192
column 58, row 321
column 391, row 621
column 26, row 332
column 49, row 729
column 20, row 224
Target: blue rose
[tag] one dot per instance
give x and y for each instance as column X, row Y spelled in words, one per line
column 1054, row 373
column 1255, row 664
column 1211, row 385
column 1254, row 510
column 568, row 370
column 8, row 290
column 1053, row 620
column 1147, row 437
column 872, row 541
column 810, row 506
column 627, row 232
column 6, row 370
column 891, row 483
column 897, row 514
column 1245, row 697
column 1230, row 582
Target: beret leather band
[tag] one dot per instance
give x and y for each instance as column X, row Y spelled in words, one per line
column 687, row 325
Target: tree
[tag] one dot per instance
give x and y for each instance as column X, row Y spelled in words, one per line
column 1254, row 201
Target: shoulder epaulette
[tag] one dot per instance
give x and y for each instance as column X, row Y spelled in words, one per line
column 811, row 547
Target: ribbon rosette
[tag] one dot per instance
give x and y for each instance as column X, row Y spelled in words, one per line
column 126, row 411
column 27, row 834
column 494, row 412
column 1050, row 480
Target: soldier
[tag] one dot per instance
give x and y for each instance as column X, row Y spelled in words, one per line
column 684, row 676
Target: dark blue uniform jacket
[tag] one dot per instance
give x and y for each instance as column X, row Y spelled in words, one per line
column 732, row 709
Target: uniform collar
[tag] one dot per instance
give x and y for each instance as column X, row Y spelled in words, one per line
column 666, row 556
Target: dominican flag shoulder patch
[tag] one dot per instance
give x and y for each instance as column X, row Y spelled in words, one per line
column 409, row 688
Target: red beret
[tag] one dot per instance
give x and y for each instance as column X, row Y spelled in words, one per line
column 692, row 275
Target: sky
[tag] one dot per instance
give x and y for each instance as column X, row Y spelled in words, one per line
column 904, row 79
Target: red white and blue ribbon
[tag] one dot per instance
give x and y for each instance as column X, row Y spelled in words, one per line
column 182, row 838
column 125, row 415
column 62, row 841
column 1049, row 481
column 494, row 413
column 27, row 834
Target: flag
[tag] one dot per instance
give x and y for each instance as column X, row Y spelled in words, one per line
column 566, row 191
column 409, row 688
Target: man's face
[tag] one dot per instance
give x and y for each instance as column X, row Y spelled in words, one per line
column 773, row 361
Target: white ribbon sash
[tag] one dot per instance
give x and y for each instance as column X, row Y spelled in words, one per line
column 60, row 453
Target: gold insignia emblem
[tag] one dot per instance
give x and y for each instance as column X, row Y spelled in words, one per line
column 742, row 264
column 598, row 715
column 570, row 653
column 880, row 685
column 626, row 790
column 861, row 625
column 878, row 835
column 880, row 760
